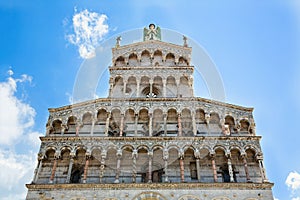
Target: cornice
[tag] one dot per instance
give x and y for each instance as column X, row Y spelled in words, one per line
column 150, row 42
column 111, row 68
column 154, row 186
column 101, row 138
column 139, row 99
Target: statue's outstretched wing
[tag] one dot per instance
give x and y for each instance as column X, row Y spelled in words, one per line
column 145, row 34
column 158, row 33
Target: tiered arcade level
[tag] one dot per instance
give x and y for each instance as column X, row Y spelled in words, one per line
column 151, row 139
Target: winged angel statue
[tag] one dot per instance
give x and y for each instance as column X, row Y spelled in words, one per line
column 152, row 33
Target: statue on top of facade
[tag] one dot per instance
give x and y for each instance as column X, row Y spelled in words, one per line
column 118, row 41
column 152, row 33
column 185, row 44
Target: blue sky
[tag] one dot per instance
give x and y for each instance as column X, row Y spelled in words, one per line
column 254, row 44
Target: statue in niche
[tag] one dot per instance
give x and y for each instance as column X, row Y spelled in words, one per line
column 152, row 33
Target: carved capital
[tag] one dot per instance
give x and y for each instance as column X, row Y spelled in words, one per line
column 197, row 154
column 57, row 154
column 119, row 153
column 134, row 154
column 150, row 154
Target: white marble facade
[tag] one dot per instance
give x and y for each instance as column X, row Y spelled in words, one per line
column 150, row 139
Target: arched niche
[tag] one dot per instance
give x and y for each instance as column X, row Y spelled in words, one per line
column 186, row 122
column 145, row 58
column 171, row 87
column 133, row 60
column 158, row 122
column 120, row 61
column 71, row 125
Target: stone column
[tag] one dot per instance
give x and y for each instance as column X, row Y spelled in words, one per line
column 262, row 169
column 198, row 169
column 197, row 156
column 194, row 123
column 237, row 126
column 77, row 130
column 107, row 124
column 225, row 127
column 56, row 157
column 38, row 169
column 134, row 170
column 164, row 87
column 119, row 156
column 136, row 124
column 151, row 89
column 230, row 168
column 93, row 126
column 124, row 89
column 78, row 125
column 63, row 128
column 181, row 163
column 53, row 170
column 150, row 156
column 70, row 169
column 102, row 166
column 179, row 125
column 150, row 124
column 87, row 159
column 165, row 158
column 246, row 168
column 165, row 124
column 122, row 125
column 137, row 87
column 213, row 163
column 207, row 120
column 177, row 86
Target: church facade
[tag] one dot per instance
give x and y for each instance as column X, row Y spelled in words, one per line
column 151, row 138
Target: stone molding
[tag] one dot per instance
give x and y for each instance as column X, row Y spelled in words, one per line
column 161, row 186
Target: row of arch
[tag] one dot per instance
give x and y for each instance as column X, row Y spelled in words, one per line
column 141, row 165
column 104, row 148
column 159, row 122
column 161, row 87
column 157, row 58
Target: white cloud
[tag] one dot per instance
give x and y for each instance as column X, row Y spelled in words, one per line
column 293, row 183
column 16, row 123
column 293, row 180
column 89, row 29
column 33, row 138
column 70, row 97
column 10, row 72
column 15, row 196
column 15, row 116
column 14, row 168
